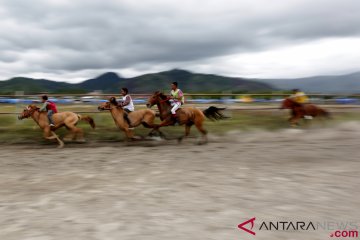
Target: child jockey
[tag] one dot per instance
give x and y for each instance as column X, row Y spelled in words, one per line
column 176, row 99
column 50, row 107
column 127, row 102
column 300, row 97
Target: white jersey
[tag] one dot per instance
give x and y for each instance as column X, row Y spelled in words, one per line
column 130, row 105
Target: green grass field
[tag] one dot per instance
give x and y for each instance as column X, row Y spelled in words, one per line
column 13, row 130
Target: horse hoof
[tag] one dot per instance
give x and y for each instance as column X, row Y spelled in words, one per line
column 136, row 138
column 67, row 139
column 81, row 141
column 61, row 145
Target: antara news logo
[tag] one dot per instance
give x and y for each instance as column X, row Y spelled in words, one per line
column 337, row 229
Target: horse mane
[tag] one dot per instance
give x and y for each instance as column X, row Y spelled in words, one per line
column 161, row 95
column 33, row 106
column 112, row 100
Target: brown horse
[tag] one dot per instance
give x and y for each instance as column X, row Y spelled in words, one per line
column 67, row 119
column 188, row 115
column 299, row 110
column 145, row 117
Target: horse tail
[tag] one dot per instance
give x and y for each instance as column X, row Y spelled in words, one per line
column 213, row 113
column 87, row 119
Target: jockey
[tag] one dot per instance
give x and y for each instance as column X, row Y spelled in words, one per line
column 50, row 107
column 126, row 103
column 176, row 99
column 299, row 96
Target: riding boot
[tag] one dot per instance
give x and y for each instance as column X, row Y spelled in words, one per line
column 51, row 123
column 127, row 119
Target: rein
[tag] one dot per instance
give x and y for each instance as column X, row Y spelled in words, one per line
column 159, row 104
column 165, row 100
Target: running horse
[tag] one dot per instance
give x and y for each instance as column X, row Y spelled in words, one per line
column 299, row 110
column 145, row 117
column 67, row 119
column 187, row 116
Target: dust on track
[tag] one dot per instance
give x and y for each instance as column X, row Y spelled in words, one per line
column 162, row 190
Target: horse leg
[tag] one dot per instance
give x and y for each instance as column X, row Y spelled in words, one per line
column 50, row 135
column 152, row 125
column 47, row 134
column 295, row 120
column 79, row 135
column 69, row 136
column 156, row 127
column 129, row 134
column 292, row 122
column 61, row 143
column 187, row 131
column 199, row 126
column 74, row 134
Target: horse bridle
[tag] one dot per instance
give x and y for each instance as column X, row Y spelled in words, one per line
column 30, row 111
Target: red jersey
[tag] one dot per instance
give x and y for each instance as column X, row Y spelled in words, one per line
column 51, row 106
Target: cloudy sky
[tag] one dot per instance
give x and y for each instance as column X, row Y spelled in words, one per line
column 74, row 40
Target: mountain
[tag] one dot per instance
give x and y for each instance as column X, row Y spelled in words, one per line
column 111, row 83
column 193, row 82
column 30, row 85
column 189, row 82
column 349, row 83
column 107, row 82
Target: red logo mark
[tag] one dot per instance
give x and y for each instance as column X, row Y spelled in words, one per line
column 241, row 226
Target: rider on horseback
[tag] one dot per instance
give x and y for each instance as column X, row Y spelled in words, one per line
column 300, row 97
column 50, row 107
column 176, row 100
column 126, row 103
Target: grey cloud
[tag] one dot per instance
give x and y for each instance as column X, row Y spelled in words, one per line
column 79, row 35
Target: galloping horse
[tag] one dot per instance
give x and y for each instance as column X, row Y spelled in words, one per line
column 67, row 119
column 145, row 117
column 299, row 110
column 188, row 115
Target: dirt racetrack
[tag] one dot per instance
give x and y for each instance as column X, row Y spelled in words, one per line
column 167, row 191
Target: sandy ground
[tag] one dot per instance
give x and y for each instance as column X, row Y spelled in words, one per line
column 161, row 190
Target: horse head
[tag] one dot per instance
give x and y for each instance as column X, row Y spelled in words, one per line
column 28, row 111
column 156, row 98
column 108, row 105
